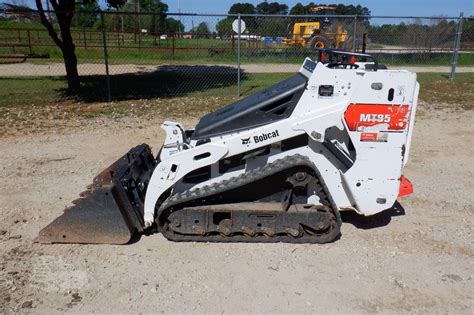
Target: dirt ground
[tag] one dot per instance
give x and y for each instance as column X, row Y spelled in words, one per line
column 418, row 259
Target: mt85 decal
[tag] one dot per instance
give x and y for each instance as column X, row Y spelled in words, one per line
column 359, row 116
column 375, row 118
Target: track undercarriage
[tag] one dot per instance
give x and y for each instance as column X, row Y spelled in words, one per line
column 268, row 204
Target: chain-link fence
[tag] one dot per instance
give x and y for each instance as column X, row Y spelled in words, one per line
column 125, row 55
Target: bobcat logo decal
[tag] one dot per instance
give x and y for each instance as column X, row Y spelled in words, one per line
column 245, row 141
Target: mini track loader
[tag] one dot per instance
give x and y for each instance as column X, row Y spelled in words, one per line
column 279, row 165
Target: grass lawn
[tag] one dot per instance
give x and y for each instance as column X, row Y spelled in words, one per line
column 437, row 90
column 23, row 91
column 30, row 91
column 203, row 54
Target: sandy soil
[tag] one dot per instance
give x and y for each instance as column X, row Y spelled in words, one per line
column 57, row 69
column 420, row 261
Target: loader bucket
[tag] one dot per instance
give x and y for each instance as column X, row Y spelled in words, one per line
column 110, row 211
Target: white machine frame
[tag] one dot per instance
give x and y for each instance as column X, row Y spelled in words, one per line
column 370, row 184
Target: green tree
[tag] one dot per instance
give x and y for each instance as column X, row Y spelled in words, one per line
column 85, row 19
column 173, row 26
column 467, row 38
column 157, row 21
column 267, row 26
column 224, row 27
column 242, row 8
column 341, row 9
column 126, row 23
column 245, row 8
column 201, row 31
column 272, row 27
column 271, row 8
column 438, row 34
column 298, row 9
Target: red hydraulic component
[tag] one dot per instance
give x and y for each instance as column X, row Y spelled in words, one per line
column 406, row 188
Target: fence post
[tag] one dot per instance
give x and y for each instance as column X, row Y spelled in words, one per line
column 85, row 40
column 118, row 39
column 106, row 60
column 238, row 55
column 354, row 41
column 173, row 45
column 29, row 42
column 457, row 46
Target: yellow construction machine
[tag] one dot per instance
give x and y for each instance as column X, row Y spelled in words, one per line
column 319, row 33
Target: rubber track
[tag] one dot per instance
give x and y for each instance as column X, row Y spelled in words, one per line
column 246, row 178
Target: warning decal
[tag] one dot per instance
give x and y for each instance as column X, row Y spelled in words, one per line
column 359, row 116
column 374, row 136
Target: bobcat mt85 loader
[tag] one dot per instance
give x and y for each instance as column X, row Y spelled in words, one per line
column 277, row 166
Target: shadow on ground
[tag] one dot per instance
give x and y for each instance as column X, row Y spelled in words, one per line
column 374, row 221
column 166, row 81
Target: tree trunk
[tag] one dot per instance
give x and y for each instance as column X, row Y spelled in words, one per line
column 69, row 51
column 70, row 62
column 64, row 11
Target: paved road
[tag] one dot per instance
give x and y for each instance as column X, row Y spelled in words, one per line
column 54, row 69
